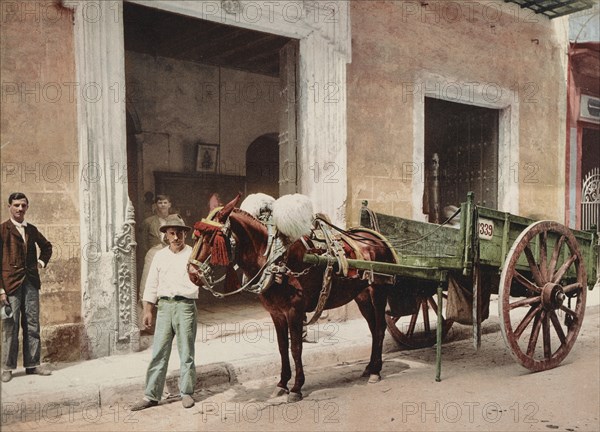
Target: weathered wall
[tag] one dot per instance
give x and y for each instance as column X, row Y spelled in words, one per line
column 177, row 103
column 39, row 155
column 492, row 43
column 394, row 43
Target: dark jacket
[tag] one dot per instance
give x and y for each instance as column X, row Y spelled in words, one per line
column 20, row 262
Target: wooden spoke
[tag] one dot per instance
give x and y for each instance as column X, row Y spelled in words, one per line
column 555, row 254
column 543, row 256
column 567, row 289
column 535, row 270
column 567, row 310
column 535, row 332
column 413, row 324
column 542, row 278
column 432, row 303
column 546, row 337
column 523, row 325
column 525, row 302
column 563, row 269
column 557, row 327
column 425, row 310
column 527, row 283
column 421, row 331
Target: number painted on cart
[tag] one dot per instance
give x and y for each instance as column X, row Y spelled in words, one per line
column 485, row 229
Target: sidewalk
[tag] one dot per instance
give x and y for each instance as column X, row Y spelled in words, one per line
column 227, row 354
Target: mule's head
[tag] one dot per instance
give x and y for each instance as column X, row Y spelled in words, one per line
column 213, row 244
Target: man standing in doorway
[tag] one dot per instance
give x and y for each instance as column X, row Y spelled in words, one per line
column 150, row 238
column 169, row 287
column 20, row 287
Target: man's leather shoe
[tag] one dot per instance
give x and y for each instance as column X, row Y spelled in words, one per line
column 6, row 375
column 38, row 370
column 187, row 401
column 142, row 404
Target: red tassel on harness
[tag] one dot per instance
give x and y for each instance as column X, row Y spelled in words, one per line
column 219, row 255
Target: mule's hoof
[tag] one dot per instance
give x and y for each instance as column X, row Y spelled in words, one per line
column 294, row 397
column 279, row 391
column 374, row 378
column 366, row 373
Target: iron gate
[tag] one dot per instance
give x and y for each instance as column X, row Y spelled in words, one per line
column 590, row 200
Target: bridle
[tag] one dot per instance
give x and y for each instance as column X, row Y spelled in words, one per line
column 264, row 276
column 205, row 270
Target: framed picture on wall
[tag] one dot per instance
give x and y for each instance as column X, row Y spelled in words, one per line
column 207, row 158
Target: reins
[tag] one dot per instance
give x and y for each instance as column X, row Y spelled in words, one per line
column 209, row 286
column 223, row 231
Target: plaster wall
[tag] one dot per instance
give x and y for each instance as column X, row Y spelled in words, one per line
column 472, row 47
column 394, row 44
column 180, row 104
column 38, row 153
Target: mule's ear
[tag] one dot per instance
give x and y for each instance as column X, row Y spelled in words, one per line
column 228, row 208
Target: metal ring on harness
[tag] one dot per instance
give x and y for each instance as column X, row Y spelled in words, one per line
column 204, row 273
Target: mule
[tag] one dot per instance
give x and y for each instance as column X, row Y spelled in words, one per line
column 294, row 291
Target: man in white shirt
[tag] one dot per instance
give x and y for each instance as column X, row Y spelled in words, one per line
column 169, row 288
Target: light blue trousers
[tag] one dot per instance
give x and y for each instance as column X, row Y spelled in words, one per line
column 175, row 319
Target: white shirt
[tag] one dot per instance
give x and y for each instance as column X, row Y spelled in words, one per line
column 20, row 227
column 168, row 276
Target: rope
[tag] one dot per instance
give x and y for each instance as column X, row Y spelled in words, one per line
column 431, row 232
column 358, row 236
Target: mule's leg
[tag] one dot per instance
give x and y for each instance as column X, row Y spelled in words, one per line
column 281, row 328
column 379, row 299
column 295, row 320
column 365, row 305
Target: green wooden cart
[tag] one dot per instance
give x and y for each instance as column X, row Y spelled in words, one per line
column 538, row 270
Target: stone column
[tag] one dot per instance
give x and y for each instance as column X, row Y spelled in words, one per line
column 322, row 151
column 108, row 243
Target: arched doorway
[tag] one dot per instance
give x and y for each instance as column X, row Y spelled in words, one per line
column 262, row 165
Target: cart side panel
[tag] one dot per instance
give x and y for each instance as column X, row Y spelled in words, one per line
column 497, row 232
column 420, row 238
column 506, row 229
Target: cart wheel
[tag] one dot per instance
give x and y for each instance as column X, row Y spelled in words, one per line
column 418, row 333
column 553, row 295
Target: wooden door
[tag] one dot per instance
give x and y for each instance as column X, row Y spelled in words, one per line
column 465, row 137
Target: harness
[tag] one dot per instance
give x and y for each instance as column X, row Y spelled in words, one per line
column 224, row 242
column 222, row 231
